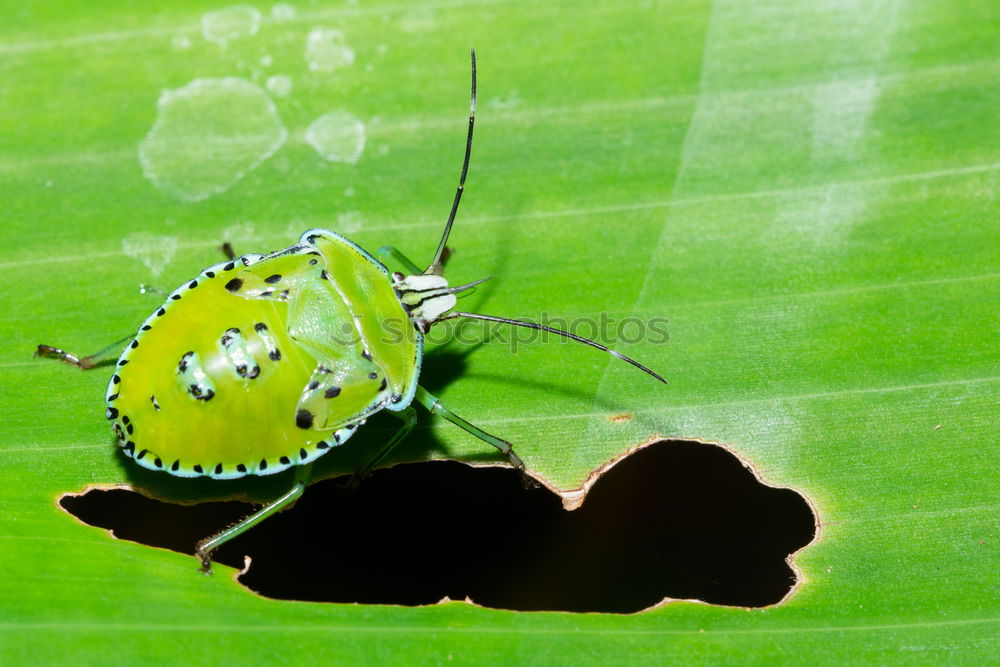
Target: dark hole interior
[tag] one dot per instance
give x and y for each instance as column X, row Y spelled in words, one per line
column 676, row 519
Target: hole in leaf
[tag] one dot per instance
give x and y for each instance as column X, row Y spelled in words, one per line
column 677, row 519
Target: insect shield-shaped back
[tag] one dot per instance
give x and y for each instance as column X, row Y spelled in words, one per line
column 341, row 311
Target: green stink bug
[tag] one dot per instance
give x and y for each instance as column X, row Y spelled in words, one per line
column 245, row 370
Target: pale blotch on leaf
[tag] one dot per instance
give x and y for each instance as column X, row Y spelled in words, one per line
column 280, row 85
column 337, row 137
column 283, row 12
column 208, row 135
column 350, row 222
column 224, row 25
column 180, row 42
column 153, row 250
column 327, row 50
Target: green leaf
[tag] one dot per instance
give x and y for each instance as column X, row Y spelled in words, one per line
column 805, row 191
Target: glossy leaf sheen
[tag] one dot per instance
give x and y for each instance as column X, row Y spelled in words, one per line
column 805, row 190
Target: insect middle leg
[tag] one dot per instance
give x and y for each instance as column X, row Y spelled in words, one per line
column 105, row 356
column 409, row 419
column 204, row 549
column 426, row 399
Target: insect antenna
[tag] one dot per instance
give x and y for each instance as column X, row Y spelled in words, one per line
column 565, row 334
column 435, row 267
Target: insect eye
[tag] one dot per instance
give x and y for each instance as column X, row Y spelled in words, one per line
column 398, row 277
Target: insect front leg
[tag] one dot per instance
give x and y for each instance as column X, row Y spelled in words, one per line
column 429, row 401
column 390, row 251
column 101, row 358
column 204, row 549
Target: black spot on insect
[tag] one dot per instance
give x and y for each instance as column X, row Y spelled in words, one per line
column 384, row 384
column 152, row 399
column 126, row 420
column 233, row 330
column 218, row 469
column 396, row 398
column 284, row 460
column 284, row 295
column 303, row 454
column 129, row 447
column 192, row 284
column 210, row 274
column 323, row 369
column 240, row 467
column 336, row 437
column 234, row 285
column 130, row 428
column 175, row 297
column 312, row 238
column 367, row 355
column 263, row 464
column 146, row 327
column 119, row 433
column 197, row 468
column 312, row 385
column 134, row 344
column 241, row 370
column 274, row 354
column 229, row 267
column 160, row 312
column 373, row 375
column 312, row 262
column 322, row 444
column 266, row 293
column 122, row 362
column 138, row 457
column 115, row 379
column 324, row 275
column 176, row 465
column 260, row 326
column 196, row 391
column 111, row 413
column 157, row 462
column 254, row 372
column 112, row 397
column 182, row 365
column 273, row 278
column 303, row 419
column 332, row 392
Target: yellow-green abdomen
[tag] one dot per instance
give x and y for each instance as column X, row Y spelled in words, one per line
column 210, row 386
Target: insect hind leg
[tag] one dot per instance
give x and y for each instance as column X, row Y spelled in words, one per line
column 204, row 548
column 102, row 358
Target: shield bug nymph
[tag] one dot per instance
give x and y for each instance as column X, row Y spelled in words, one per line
column 244, row 370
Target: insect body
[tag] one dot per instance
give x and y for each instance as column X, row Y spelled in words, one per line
column 207, row 385
column 265, row 362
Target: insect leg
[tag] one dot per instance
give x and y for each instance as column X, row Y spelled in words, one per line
column 393, row 252
column 409, row 419
column 435, row 407
column 105, row 356
column 204, row 549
